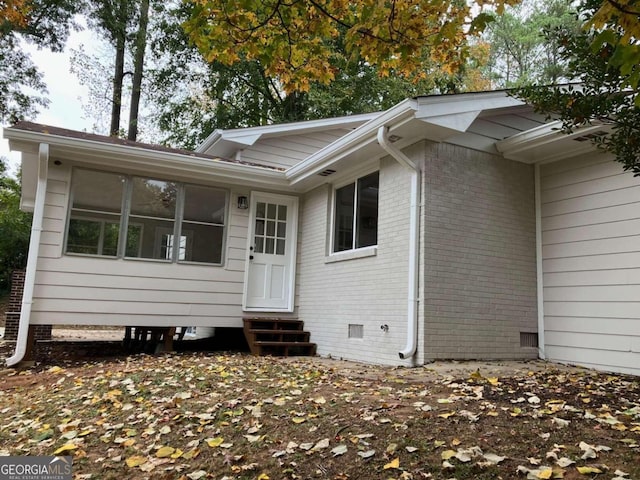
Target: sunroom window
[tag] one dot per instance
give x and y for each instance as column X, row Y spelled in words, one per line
column 153, row 213
column 356, row 214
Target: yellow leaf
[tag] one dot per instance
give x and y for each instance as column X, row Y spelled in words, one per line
column 493, row 380
column 215, row 442
column 263, row 476
column 588, row 470
column 545, row 473
column 164, row 452
column 178, row 453
column 298, row 420
column 55, row 369
column 447, row 414
column 395, row 463
column 128, row 443
column 135, row 461
column 455, row 442
column 65, row 448
column 447, row 454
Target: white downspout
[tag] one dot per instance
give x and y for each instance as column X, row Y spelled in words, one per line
column 539, row 271
column 414, row 240
column 32, row 259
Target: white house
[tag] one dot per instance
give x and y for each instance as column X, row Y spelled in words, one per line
column 447, row 227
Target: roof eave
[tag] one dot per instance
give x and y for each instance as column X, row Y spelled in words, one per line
column 93, row 151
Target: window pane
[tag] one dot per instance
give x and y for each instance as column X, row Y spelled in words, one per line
column 99, row 191
column 343, row 237
column 203, row 204
column 110, row 239
column 280, row 247
column 201, row 243
column 282, row 229
column 259, row 245
column 152, row 237
column 271, row 228
column 282, row 212
column 269, row 246
column 261, row 210
column 84, row 236
column 153, row 198
column 367, row 211
column 271, row 210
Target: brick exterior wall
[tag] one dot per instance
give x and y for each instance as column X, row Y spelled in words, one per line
column 12, row 319
column 479, row 255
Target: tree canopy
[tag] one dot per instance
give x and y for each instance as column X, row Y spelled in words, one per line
column 45, row 23
column 293, row 40
column 604, row 60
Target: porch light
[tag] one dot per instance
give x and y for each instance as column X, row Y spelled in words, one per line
column 243, row 203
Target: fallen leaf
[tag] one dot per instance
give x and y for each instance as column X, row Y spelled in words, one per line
column 214, row 442
column 367, row 454
column 164, row 452
column 339, row 450
column 197, row 475
column 588, row 470
column 395, row 463
column 135, row 461
column 66, row 448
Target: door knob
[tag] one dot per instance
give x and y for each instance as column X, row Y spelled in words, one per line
column 250, row 257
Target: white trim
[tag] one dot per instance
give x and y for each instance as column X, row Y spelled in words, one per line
column 351, row 142
column 32, row 258
column 248, row 136
column 146, row 158
column 539, row 271
column 345, row 255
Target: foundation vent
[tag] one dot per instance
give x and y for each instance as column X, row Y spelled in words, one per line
column 356, row 330
column 529, row 339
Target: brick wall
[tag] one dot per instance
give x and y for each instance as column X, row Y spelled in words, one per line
column 479, row 255
column 12, row 319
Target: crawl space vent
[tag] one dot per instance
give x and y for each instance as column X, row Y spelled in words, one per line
column 529, row 339
column 356, row 331
column 327, row 172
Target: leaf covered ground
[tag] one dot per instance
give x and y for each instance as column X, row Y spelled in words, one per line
column 235, row 416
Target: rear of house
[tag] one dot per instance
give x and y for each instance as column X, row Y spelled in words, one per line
column 453, row 227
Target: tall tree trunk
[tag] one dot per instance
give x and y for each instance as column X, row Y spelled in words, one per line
column 141, row 45
column 118, row 74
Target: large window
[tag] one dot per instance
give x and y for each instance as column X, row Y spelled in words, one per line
column 153, row 213
column 356, row 214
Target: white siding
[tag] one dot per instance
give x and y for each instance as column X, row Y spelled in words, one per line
column 288, row 150
column 370, row 291
column 86, row 290
column 591, row 263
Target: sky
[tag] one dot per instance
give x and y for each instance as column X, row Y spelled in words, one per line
column 65, row 91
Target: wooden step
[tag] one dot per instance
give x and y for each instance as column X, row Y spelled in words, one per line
column 277, row 336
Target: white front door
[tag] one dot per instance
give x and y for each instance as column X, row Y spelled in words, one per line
column 271, row 253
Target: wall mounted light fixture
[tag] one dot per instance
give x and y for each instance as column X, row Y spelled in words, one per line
column 243, row 202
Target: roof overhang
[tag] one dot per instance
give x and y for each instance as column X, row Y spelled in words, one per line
column 434, row 118
column 548, row 143
column 131, row 158
column 226, row 142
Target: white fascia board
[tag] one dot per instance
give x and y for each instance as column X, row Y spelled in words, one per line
column 521, row 146
column 442, row 105
column 250, row 135
column 144, row 158
column 351, row 142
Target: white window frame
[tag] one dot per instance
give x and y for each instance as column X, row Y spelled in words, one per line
column 368, row 251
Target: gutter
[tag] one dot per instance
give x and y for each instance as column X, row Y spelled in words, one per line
column 32, row 259
column 414, row 241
